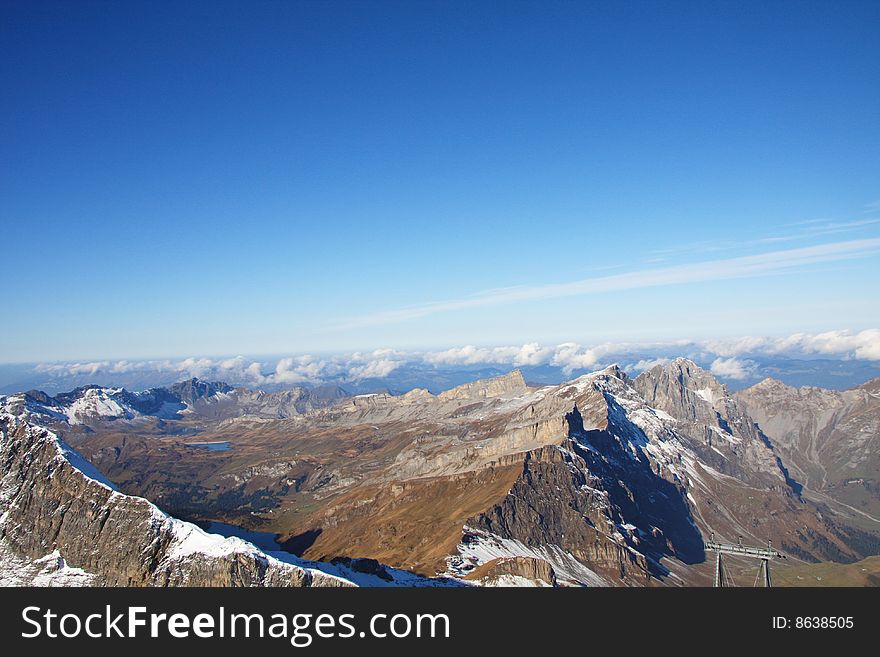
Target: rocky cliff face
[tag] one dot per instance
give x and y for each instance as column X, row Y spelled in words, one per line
column 515, row 571
column 830, row 439
column 713, row 423
column 511, row 383
column 623, row 512
column 531, row 515
column 52, row 506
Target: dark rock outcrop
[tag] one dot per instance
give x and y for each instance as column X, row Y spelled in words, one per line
column 537, row 571
column 189, row 392
column 533, row 515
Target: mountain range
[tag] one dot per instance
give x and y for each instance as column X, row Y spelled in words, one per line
column 601, row 480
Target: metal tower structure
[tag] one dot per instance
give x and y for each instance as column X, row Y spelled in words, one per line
column 764, row 554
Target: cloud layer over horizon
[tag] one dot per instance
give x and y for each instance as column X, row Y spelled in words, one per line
column 729, row 358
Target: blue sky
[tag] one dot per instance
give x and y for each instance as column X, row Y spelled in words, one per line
column 219, row 178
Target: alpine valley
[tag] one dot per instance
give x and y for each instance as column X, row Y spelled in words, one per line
column 604, row 480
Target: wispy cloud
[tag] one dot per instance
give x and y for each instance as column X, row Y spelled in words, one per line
column 723, row 269
column 819, row 228
column 807, row 229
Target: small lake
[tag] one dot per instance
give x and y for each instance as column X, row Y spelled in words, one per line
column 263, row 540
column 212, row 447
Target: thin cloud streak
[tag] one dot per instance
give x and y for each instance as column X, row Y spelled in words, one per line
column 726, row 269
column 808, row 229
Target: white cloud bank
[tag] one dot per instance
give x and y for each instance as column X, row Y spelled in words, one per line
column 732, row 368
column 729, row 359
column 864, row 345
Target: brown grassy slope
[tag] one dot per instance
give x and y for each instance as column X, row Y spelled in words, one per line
column 861, row 573
column 414, row 524
column 796, row 528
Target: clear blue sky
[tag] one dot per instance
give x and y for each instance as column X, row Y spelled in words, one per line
column 236, row 177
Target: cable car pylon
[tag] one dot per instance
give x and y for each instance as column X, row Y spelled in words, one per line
column 764, row 554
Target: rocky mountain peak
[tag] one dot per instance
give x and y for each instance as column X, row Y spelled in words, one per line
column 872, row 387
column 828, row 438
column 770, row 382
column 769, row 387
column 681, row 382
column 194, row 389
column 614, row 370
column 688, row 369
column 39, row 396
column 510, row 383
